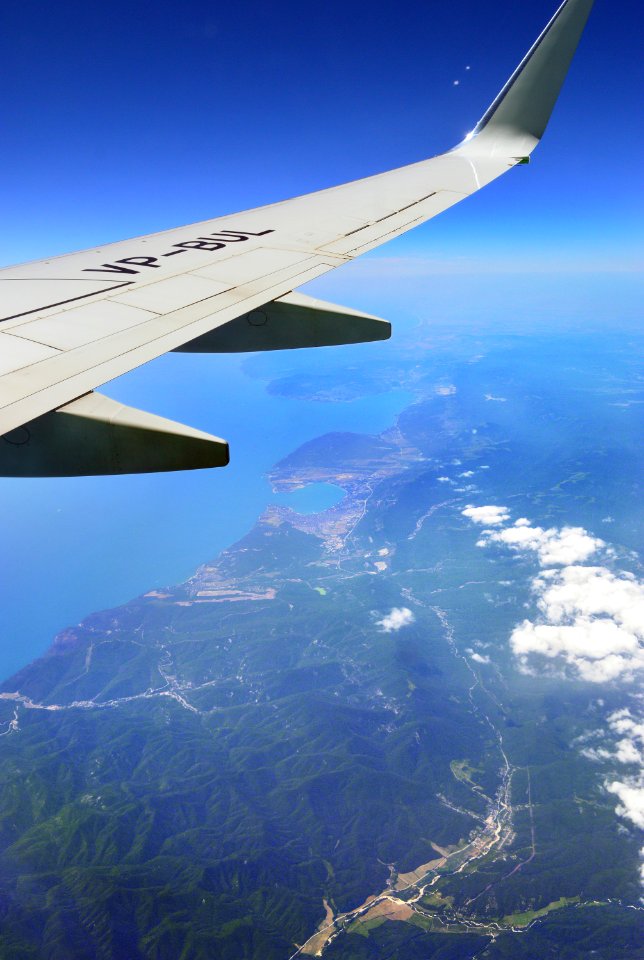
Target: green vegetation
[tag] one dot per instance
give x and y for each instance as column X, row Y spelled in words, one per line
column 436, row 900
column 229, row 763
column 528, row 916
column 364, row 927
column 463, row 770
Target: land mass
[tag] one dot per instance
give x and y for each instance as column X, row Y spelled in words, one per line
column 295, row 753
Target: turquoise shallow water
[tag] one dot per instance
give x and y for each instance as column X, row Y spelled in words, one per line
column 73, row 546
column 310, row 499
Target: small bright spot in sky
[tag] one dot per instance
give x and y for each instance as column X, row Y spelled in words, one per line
column 468, row 68
column 456, row 83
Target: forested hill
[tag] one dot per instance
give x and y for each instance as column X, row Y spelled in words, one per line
column 325, row 713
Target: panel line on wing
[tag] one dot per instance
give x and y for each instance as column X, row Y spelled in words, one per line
column 201, row 293
column 79, row 366
column 61, row 303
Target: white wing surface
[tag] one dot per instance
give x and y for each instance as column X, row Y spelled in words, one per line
column 70, row 324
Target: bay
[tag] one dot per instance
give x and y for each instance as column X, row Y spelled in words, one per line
column 73, row 546
column 313, row 498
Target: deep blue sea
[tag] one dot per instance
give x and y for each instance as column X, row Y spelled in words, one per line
column 73, row 546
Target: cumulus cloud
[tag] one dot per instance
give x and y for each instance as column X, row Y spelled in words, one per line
column 629, row 751
column 398, row 618
column 595, row 652
column 479, row 658
column 445, row 390
column 626, row 732
column 631, row 797
column 624, row 723
column 598, row 754
column 555, row 546
column 592, row 592
column 591, row 625
column 590, row 622
column 489, row 516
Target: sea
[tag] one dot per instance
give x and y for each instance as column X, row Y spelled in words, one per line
column 78, row 545
column 70, row 547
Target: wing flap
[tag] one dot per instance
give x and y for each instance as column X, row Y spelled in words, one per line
column 96, row 435
column 293, row 321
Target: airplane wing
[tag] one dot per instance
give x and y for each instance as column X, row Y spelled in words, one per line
column 72, row 323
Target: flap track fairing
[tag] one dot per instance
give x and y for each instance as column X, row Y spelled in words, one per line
column 96, row 435
column 290, row 322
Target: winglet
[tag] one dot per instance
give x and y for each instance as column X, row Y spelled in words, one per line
column 517, row 119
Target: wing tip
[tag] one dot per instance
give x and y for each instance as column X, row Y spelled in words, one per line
column 522, row 109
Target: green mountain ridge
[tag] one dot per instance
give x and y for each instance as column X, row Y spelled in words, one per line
column 189, row 775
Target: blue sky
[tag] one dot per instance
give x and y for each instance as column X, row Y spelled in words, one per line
column 125, row 118
column 121, row 119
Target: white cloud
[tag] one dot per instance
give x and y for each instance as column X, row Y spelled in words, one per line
column 591, row 625
column 445, row 390
column 578, row 591
column 591, row 620
column 489, row 516
column 627, row 748
column 622, row 721
column 554, row 547
column 467, row 473
column 595, row 651
column 398, row 618
column 598, row 754
column 445, row 480
column 488, row 396
column 631, row 796
column 568, row 545
column 479, row 658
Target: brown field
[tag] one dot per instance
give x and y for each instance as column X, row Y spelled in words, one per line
column 406, row 879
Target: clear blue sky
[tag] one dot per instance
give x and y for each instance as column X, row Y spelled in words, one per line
column 124, row 118
column 120, row 119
